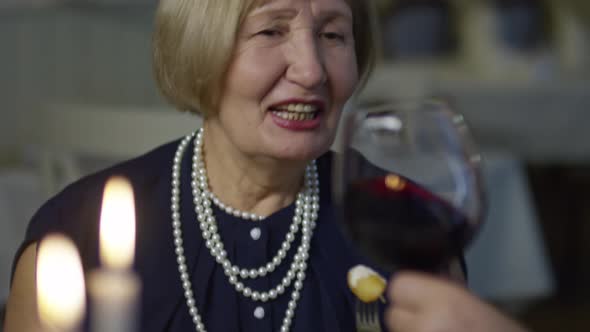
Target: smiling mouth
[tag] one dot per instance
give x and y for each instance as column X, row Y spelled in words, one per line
column 296, row 111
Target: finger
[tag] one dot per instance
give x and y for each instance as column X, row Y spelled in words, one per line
column 412, row 290
column 400, row 320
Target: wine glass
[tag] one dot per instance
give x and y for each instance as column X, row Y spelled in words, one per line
column 407, row 184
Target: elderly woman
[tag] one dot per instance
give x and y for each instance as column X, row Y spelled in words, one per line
column 248, row 196
column 235, row 228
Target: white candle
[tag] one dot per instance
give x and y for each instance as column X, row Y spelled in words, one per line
column 114, row 288
column 61, row 297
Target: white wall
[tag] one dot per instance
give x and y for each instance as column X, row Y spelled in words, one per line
column 72, row 54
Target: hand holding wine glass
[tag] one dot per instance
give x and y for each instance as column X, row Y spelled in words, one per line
column 424, row 303
column 408, row 184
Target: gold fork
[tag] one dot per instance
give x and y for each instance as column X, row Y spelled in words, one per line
column 367, row 317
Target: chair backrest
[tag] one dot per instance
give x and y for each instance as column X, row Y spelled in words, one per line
column 67, row 133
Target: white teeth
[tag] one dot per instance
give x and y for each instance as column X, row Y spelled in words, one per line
column 305, row 108
column 292, row 116
column 296, row 111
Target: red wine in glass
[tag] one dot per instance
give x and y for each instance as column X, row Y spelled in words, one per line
column 407, row 185
column 396, row 220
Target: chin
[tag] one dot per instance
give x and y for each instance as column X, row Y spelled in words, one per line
column 298, row 147
column 306, row 153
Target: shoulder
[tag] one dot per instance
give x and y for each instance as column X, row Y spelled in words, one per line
column 140, row 171
column 75, row 210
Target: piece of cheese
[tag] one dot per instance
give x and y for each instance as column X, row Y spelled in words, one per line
column 365, row 283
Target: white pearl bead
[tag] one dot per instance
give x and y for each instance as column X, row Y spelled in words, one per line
column 287, row 321
column 255, row 296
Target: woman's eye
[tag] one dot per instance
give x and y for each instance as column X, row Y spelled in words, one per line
column 270, row 33
column 333, row 36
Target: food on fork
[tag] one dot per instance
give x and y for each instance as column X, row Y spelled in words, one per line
column 365, row 283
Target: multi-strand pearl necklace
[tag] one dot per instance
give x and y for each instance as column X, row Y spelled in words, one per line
column 306, row 209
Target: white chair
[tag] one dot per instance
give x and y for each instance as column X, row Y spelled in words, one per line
column 71, row 133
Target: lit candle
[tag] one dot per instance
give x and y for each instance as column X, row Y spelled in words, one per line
column 117, row 225
column 61, row 297
column 114, row 288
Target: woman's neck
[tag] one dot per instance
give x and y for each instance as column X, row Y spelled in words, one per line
column 260, row 185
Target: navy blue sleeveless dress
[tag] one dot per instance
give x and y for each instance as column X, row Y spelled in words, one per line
column 326, row 303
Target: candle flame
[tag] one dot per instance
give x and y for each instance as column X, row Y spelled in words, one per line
column 61, row 297
column 117, row 224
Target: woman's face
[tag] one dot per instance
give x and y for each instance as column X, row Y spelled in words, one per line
column 293, row 69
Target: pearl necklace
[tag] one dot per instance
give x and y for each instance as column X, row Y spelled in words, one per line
column 233, row 211
column 306, row 209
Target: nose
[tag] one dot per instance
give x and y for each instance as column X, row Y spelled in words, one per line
column 306, row 63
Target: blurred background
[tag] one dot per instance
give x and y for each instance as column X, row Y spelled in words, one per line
column 77, row 94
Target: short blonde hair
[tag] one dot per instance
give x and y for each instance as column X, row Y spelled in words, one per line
column 194, row 40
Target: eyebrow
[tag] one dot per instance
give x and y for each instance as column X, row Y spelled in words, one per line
column 332, row 15
column 274, row 14
column 277, row 14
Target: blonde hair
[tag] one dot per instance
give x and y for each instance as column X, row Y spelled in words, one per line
column 194, row 40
